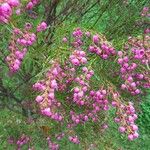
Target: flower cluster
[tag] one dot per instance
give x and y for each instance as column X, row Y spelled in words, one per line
column 41, row 27
column 74, row 139
column 134, row 61
column 145, row 12
column 126, row 71
column 83, row 96
column 100, row 100
column 77, row 119
column 126, row 119
column 94, row 102
column 31, row 4
column 51, row 145
column 60, row 136
column 18, row 47
column 78, row 58
column 6, row 10
column 22, row 141
column 26, row 39
column 140, row 47
column 77, row 35
column 79, row 95
column 46, row 100
column 101, row 48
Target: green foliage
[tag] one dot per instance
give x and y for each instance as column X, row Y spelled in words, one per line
column 144, row 115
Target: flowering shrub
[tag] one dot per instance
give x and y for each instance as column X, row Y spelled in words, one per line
column 6, row 10
column 67, row 93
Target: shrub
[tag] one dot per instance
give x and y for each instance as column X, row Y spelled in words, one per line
column 74, row 81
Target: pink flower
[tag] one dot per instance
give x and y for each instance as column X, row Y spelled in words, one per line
column 137, row 91
column 39, row 99
column 85, row 118
column 130, row 137
column 3, row 19
column 29, row 5
column 75, row 62
column 81, row 103
column 104, row 126
column 88, row 34
column 117, row 120
column 135, row 135
column 146, row 9
column 18, row 12
column 135, row 116
column 76, row 90
column 41, row 27
column 130, row 119
column 64, row 39
column 122, row 129
column 15, row 67
column 80, row 94
column 44, row 25
column 54, row 84
column 75, row 139
column 134, row 127
column 114, row 104
column 51, row 95
column 46, row 112
column 5, row 9
column 34, row 1
column 120, row 53
column 13, row 3
column 55, row 72
column 96, row 39
column 19, row 55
